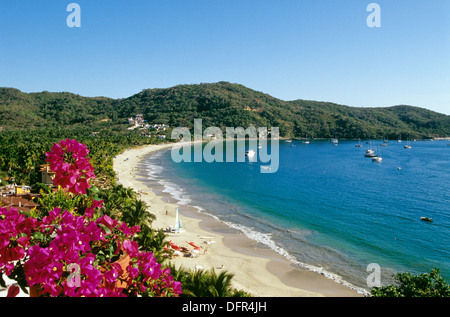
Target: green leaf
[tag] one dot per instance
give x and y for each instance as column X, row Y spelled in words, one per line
column 38, row 236
column 107, row 230
column 2, row 281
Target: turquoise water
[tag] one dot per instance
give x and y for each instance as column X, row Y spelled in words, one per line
column 328, row 208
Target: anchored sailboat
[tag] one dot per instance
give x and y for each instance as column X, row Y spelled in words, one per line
column 408, row 145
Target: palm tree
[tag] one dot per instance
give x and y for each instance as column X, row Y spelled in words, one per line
column 136, row 214
column 201, row 283
column 220, row 285
column 153, row 241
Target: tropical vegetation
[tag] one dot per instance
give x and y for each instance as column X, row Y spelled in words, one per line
column 409, row 285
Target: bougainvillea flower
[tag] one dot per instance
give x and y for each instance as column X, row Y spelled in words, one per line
column 131, row 247
column 73, row 169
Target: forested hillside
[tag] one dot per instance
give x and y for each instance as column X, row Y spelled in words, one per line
column 219, row 104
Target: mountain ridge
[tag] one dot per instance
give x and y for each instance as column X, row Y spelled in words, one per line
column 219, row 104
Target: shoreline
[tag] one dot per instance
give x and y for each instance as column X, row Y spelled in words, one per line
column 260, row 272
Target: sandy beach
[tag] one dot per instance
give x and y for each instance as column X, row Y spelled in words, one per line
column 261, row 272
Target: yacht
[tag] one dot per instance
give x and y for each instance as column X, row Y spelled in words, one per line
column 408, row 145
column 250, row 153
column 359, row 143
column 306, row 141
column 377, row 159
column 370, row 153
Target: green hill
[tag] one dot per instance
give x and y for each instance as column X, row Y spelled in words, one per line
column 220, row 104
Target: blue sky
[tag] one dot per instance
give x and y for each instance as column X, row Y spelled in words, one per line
column 290, row 49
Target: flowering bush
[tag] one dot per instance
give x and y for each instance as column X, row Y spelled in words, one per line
column 45, row 251
column 73, row 169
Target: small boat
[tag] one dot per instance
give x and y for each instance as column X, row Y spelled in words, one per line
column 288, row 141
column 408, row 145
column 386, row 140
column 377, row 159
column 306, row 141
column 250, row 153
column 359, row 143
column 370, row 153
column 334, row 140
column 426, row 219
column 400, row 138
column 178, row 225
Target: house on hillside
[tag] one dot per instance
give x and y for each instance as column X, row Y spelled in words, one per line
column 139, row 119
column 18, row 203
column 22, row 190
column 47, row 174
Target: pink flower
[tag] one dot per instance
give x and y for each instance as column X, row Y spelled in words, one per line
column 73, row 169
column 131, row 247
column 97, row 203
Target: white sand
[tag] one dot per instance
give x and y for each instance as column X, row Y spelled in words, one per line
column 261, row 273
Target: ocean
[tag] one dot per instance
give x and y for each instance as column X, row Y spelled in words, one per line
column 328, row 208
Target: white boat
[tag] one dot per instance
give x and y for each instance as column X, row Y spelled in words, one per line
column 408, row 145
column 288, row 141
column 178, row 225
column 359, row 143
column 334, row 140
column 400, row 138
column 250, row 153
column 377, row 159
column 306, row 141
column 370, row 153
